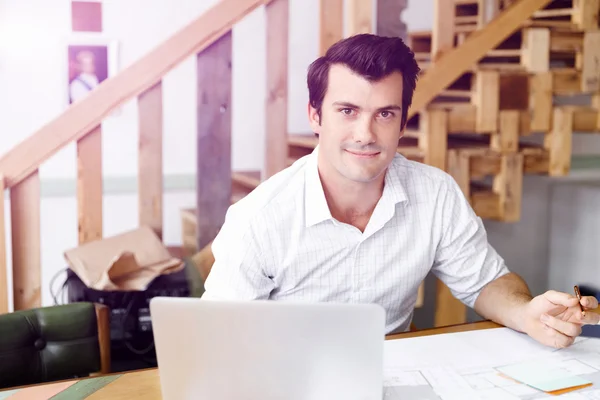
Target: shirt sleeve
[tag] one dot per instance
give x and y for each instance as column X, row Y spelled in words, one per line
column 238, row 271
column 464, row 260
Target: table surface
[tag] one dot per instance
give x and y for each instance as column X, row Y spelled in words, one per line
column 145, row 384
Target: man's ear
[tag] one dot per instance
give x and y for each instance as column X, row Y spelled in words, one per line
column 314, row 119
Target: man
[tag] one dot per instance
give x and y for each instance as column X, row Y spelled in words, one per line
column 356, row 222
column 86, row 80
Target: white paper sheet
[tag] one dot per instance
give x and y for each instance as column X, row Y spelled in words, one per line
column 467, row 362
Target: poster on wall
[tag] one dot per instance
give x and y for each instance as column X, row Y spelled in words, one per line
column 90, row 61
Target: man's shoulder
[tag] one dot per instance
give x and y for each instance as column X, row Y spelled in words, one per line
column 413, row 173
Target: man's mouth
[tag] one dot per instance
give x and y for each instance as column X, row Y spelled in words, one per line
column 363, row 154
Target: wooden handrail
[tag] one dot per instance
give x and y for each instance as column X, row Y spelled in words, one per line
column 452, row 64
column 82, row 117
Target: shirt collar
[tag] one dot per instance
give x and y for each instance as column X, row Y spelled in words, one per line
column 316, row 208
column 315, row 203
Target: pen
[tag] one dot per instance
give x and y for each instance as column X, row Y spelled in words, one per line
column 578, row 294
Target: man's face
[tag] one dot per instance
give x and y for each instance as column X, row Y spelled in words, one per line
column 360, row 124
column 87, row 64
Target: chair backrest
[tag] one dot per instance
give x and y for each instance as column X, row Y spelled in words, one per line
column 53, row 343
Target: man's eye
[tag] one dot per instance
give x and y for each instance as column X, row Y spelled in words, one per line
column 346, row 111
column 386, row 114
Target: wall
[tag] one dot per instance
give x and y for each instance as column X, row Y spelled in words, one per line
column 32, row 79
column 574, row 239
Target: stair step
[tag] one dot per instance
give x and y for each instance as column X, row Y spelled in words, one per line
column 485, row 202
column 247, row 179
column 301, row 140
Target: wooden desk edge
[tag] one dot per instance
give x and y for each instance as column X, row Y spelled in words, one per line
column 468, row 326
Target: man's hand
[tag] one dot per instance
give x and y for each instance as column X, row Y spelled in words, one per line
column 555, row 318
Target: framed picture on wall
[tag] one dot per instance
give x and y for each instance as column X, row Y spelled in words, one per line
column 89, row 62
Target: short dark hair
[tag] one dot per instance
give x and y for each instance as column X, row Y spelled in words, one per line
column 371, row 56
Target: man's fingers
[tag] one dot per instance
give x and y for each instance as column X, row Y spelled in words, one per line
column 590, row 318
column 589, row 302
column 561, row 299
column 566, row 328
column 556, row 339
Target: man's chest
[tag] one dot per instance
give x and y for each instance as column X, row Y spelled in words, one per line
column 338, row 262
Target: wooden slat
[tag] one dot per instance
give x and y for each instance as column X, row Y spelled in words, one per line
column 448, row 309
column 590, row 74
column 484, row 165
column 596, row 105
column 514, row 91
column 507, row 138
column 442, row 38
column 504, row 53
column 80, row 118
column 214, row 139
column 487, row 10
column 509, row 187
column 566, row 41
column 486, row 204
column 150, row 172
column 559, row 142
column 25, row 223
column 541, row 102
column 487, row 100
column 89, row 186
column 457, row 61
column 462, row 119
column 536, row 50
column 433, row 140
column 3, row 265
column 585, row 14
column 359, row 17
column 331, row 23
column 389, row 19
column 557, row 12
column 566, row 82
column 458, row 168
column 585, row 119
column 277, row 86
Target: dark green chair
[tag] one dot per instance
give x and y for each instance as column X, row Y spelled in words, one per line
column 54, row 343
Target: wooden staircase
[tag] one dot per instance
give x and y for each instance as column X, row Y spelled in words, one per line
column 484, row 87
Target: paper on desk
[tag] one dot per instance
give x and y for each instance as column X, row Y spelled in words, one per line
column 544, row 376
column 448, row 361
column 465, row 351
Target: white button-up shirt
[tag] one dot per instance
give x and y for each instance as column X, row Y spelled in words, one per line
column 280, row 242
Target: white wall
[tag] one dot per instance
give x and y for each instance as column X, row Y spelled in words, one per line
column 33, row 35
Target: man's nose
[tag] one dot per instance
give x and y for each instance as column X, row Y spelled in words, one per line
column 364, row 132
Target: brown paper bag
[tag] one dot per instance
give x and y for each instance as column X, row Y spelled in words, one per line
column 128, row 262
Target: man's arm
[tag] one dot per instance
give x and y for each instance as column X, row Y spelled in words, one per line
column 478, row 276
column 502, row 301
column 464, row 260
column 238, row 272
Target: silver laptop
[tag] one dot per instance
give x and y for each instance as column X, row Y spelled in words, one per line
column 268, row 350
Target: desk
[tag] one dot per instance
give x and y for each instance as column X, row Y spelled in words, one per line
column 145, row 384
